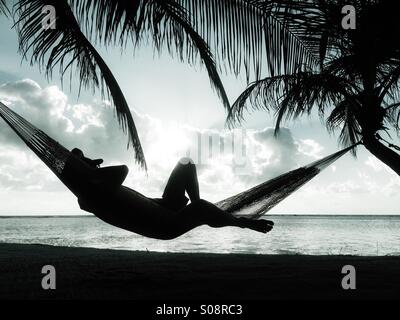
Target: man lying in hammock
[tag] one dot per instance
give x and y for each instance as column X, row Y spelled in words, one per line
column 100, row 191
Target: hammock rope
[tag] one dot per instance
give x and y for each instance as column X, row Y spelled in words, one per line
column 256, row 201
column 252, row 203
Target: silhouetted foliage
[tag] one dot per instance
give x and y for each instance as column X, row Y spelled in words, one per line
column 3, row 7
column 296, row 54
column 109, row 22
column 355, row 84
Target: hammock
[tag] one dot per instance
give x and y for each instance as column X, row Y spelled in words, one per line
column 252, row 203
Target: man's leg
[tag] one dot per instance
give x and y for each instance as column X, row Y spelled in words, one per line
column 203, row 212
column 183, row 179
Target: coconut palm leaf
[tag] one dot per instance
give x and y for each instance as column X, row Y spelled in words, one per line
column 388, row 86
column 306, row 91
column 242, row 33
column 180, row 31
column 165, row 22
column 66, row 46
column 235, row 29
column 344, row 118
column 230, row 25
column 255, row 35
column 3, row 8
column 393, row 116
column 293, row 95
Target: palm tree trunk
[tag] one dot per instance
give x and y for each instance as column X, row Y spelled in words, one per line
column 383, row 153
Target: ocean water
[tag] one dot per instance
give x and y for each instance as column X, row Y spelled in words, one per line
column 316, row 235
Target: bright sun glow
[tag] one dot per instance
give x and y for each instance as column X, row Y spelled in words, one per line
column 172, row 144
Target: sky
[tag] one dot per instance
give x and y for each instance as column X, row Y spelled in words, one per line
column 177, row 114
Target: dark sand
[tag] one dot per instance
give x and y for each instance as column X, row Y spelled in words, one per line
column 110, row 274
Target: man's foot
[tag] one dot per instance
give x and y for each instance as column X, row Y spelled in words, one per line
column 263, row 226
column 271, row 223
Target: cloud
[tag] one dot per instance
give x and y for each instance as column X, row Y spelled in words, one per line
column 310, row 148
column 223, row 166
column 20, row 170
column 348, row 187
column 374, row 163
column 228, row 161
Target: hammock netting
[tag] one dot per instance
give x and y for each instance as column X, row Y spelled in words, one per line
column 253, row 202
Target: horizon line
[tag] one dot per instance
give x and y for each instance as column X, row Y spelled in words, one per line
column 276, row 214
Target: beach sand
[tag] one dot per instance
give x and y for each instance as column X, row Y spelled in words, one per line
column 85, row 273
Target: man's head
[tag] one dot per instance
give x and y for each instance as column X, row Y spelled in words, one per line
column 77, row 152
column 93, row 163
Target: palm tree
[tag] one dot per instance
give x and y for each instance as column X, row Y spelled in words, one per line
column 352, row 80
column 110, row 23
column 3, row 7
column 308, row 59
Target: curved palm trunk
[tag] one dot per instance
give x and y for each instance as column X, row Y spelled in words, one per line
column 383, row 153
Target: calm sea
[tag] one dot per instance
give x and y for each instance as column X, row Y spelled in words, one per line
column 317, row 235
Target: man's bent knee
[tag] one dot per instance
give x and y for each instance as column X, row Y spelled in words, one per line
column 186, row 160
column 124, row 169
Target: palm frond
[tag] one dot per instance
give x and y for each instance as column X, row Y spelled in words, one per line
column 234, row 29
column 263, row 94
column 358, row 69
column 393, row 116
column 67, row 46
column 254, row 35
column 389, row 84
column 3, row 8
column 165, row 22
column 343, row 118
column 308, row 91
column 241, row 33
column 177, row 29
column 112, row 21
column 293, row 95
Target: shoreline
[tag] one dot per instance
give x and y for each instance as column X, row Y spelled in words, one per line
column 394, row 215
column 86, row 273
